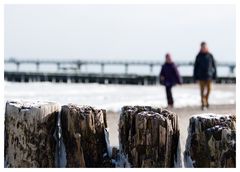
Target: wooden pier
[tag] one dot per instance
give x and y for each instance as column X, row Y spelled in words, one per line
column 70, row 71
column 77, row 64
column 95, row 78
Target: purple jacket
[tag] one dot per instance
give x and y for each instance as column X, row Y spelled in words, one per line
column 171, row 75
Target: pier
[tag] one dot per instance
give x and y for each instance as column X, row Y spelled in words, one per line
column 70, row 71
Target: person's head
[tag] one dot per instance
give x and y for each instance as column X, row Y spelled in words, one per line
column 168, row 58
column 204, row 48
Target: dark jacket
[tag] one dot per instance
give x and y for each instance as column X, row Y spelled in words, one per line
column 204, row 67
column 171, row 75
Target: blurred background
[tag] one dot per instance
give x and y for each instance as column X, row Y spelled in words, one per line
column 111, row 55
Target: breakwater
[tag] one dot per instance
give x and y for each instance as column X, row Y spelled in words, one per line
column 44, row 134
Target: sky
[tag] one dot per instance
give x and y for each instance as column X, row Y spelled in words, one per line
column 119, row 32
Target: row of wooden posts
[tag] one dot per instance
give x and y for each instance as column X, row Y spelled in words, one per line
column 45, row 134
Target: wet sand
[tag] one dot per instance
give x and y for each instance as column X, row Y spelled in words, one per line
column 184, row 114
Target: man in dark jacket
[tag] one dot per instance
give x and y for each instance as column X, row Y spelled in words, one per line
column 204, row 72
column 169, row 76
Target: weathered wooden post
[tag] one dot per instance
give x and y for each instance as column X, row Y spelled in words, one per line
column 211, row 141
column 149, row 137
column 84, row 136
column 29, row 129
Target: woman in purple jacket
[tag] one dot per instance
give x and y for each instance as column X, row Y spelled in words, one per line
column 169, row 76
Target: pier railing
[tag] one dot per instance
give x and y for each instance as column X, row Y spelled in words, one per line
column 64, row 67
column 77, row 64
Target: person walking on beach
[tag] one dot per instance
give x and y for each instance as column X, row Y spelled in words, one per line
column 169, row 77
column 204, row 72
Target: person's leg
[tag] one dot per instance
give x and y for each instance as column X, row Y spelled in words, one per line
column 201, row 84
column 169, row 95
column 209, row 86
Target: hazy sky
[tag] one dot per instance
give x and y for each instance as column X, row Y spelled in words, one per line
column 139, row 32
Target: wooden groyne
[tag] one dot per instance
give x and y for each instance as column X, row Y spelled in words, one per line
column 84, row 136
column 40, row 134
column 44, row 134
column 29, row 129
column 149, row 137
column 211, row 141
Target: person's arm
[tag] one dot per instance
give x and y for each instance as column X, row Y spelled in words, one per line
column 161, row 75
column 214, row 68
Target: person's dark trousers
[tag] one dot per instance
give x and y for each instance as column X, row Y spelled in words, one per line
column 169, row 95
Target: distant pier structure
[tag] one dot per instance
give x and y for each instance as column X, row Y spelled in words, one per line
column 70, row 71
